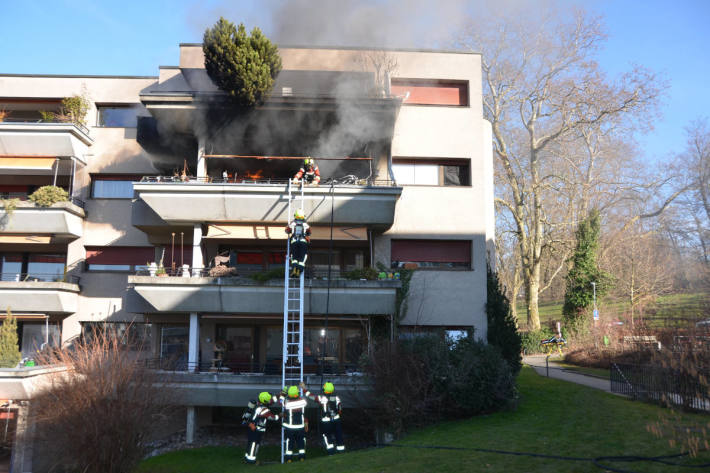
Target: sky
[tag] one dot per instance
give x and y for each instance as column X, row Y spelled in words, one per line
column 100, row 37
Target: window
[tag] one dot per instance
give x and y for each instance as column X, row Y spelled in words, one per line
column 118, row 258
column 431, row 253
column 108, row 186
column 125, row 116
column 173, row 346
column 32, row 266
column 431, row 172
column 132, row 336
column 34, row 336
column 431, row 92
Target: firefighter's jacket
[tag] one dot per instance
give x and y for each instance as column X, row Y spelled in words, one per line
column 330, row 407
column 299, row 230
column 261, row 415
column 294, row 412
column 311, row 175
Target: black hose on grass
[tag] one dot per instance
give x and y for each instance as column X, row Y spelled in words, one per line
column 597, row 461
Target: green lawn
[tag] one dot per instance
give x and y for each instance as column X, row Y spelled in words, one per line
column 553, row 418
column 673, row 306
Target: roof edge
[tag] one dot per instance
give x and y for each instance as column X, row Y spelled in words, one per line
column 78, row 76
column 363, row 48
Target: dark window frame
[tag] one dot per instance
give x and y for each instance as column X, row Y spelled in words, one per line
column 464, row 163
column 124, row 106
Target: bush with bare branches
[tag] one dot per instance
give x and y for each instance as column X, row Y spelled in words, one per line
column 99, row 415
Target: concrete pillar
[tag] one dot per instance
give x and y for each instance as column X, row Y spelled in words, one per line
column 193, row 350
column 197, row 260
column 201, row 160
column 21, row 458
column 191, row 425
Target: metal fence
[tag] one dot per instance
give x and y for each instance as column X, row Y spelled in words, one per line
column 39, row 277
column 663, row 385
column 311, row 365
column 343, row 181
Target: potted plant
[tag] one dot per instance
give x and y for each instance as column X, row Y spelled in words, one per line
column 160, row 272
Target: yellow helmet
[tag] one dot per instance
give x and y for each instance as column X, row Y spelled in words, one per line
column 293, row 391
column 328, row 388
column 308, row 162
column 299, row 215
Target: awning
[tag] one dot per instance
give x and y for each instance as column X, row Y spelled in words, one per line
column 276, row 232
column 24, row 316
column 27, row 239
column 28, row 162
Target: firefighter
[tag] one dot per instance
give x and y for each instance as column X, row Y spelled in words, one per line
column 309, row 172
column 256, row 418
column 330, row 412
column 300, row 233
column 295, row 424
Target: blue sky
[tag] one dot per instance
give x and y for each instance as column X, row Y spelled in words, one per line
column 135, row 37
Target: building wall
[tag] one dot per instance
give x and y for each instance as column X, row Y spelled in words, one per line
column 437, row 298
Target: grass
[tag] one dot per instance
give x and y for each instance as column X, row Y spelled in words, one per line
column 553, row 418
column 666, row 308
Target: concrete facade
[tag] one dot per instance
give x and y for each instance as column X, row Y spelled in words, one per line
column 182, row 210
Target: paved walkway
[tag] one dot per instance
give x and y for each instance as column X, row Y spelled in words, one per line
column 555, row 371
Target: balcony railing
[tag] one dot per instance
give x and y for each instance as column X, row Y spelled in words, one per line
column 55, row 120
column 260, row 275
column 39, row 277
column 343, row 181
column 311, row 365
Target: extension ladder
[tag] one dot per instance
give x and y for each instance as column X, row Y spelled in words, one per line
column 292, row 368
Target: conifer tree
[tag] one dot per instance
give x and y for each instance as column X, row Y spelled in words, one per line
column 502, row 328
column 243, row 66
column 10, row 354
column 585, row 271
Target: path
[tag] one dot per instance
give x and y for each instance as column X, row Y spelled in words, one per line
column 538, row 363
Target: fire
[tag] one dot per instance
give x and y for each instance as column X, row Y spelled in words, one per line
column 258, row 174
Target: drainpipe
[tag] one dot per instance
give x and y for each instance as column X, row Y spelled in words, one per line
column 56, row 169
column 389, row 164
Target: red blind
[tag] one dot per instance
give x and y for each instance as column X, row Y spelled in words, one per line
column 173, row 255
column 250, row 258
column 276, row 258
column 135, row 255
column 35, row 258
column 12, row 258
column 435, row 251
column 431, row 92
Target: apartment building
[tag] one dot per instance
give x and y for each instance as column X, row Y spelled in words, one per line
column 174, row 230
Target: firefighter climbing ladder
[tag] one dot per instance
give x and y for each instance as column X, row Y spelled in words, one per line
column 292, row 369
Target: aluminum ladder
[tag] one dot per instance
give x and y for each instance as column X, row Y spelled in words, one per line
column 292, row 359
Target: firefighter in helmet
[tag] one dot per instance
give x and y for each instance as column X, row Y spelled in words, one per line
column 330, row 411
column 294, row 423
column 309, row 172
column 300, row 236
column 256, row 418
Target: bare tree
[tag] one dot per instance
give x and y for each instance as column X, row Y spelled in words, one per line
column 543, row 91
column 100, row 414
column 382, row 63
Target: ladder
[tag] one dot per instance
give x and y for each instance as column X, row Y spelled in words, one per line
column 292, row 368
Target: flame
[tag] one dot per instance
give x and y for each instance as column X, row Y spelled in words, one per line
column 258, row 174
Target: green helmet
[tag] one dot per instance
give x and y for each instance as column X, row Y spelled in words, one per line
column 308, row 162
column 293, row 391
column 264, row 397
column 299, row 215
column 328, row 388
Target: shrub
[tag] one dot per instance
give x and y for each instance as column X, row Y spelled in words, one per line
column 99, row 415
column 10, row 354
column 275, row 273
column 74, row 109
column 46, row 196
column 530, row 341
column 362, row 273
column 429, row 378
column 243, row 66
column 502, row 328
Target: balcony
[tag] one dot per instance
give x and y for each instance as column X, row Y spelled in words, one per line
column 39, row 293
column 192, row 201
column 25, row 383
column 245, row 295
column 62, row 221
column 41, row 138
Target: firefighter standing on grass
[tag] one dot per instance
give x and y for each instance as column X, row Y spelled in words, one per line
column 330, row 411
column 309, row 172
column 256, row 418
column 294, row 423
column 300, row 233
